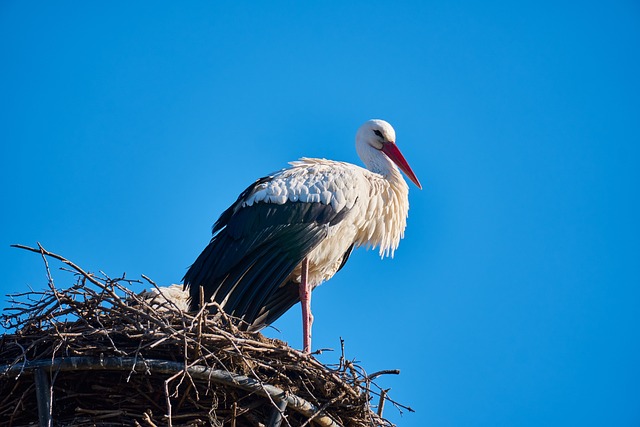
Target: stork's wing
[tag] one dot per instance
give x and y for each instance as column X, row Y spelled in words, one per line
column 252, row 253
column 284, row 297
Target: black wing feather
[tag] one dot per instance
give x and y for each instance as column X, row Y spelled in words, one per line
column 254, row 249
column 286, row 296
column 345, row 257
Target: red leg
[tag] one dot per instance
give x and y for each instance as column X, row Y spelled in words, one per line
column 305, row 301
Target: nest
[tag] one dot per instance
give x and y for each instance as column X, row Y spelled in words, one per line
column 95, row 353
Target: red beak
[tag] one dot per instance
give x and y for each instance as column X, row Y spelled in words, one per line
column 392, row 151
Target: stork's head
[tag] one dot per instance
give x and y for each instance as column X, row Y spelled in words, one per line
column 377, row 139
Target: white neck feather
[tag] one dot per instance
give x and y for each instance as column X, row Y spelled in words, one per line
column 385, row 217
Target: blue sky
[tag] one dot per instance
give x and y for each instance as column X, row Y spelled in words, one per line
column 514, row 298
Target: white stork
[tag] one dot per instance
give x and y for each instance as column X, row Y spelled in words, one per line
column 292, row 230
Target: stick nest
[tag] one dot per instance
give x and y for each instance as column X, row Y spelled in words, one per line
column 97, row 321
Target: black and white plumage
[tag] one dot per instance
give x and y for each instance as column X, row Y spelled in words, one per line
column 299, row 225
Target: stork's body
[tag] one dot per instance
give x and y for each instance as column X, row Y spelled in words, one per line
column 292, row 230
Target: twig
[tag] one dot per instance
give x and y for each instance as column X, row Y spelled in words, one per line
column 43, row 251
column 384, row 372
column 46, row 266
column 383, row 396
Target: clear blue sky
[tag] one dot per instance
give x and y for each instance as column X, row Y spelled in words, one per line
column 127, row 127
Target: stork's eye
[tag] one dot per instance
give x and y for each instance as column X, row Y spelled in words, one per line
column 377, row 132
